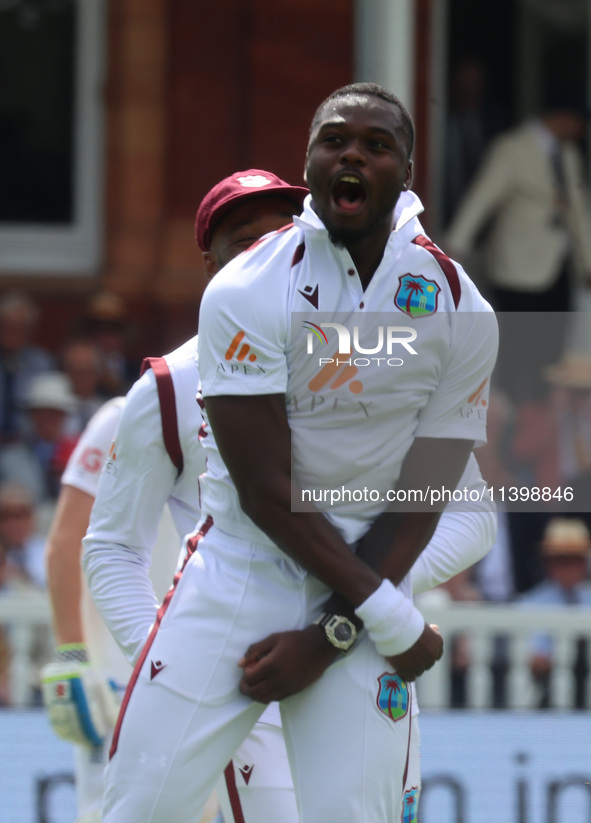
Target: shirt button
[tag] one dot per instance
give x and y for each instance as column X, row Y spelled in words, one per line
column 362, row 305
column 352, row 272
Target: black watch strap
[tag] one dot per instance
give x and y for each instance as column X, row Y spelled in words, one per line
column 339, row 630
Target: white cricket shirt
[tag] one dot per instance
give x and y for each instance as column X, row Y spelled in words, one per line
column 352, row 421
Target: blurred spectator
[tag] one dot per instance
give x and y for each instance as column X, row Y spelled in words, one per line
column 81, row 362
column 531, row 192
column 532, row 185
column 23, row 546
column 565, row 549
column 20, row 360
column 105, row 325
column 22, row 571
column 39, row 460
column 551, row 447
column 472, row 120
column 553, row 436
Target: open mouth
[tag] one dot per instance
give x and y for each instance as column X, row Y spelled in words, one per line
column 348, row 193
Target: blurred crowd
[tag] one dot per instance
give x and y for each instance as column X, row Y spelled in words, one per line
column 46, row 400
column 516, row 214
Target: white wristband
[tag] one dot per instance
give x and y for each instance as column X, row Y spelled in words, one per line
column 391, row 620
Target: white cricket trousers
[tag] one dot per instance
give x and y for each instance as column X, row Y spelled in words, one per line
column 183, row 716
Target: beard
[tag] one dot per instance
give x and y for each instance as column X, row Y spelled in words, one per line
column 343, row 237
column 338, row 242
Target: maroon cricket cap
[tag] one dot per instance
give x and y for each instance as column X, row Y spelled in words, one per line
column 231, row 191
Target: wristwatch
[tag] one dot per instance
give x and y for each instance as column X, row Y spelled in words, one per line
column 340, row 631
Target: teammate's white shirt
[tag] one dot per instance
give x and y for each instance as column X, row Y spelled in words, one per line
column 247, row 346
column 138, row 480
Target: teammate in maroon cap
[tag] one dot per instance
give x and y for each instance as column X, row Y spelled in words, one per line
column 239, row 210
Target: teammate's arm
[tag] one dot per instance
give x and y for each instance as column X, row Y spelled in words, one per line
column 124, row 521
column 398, row 536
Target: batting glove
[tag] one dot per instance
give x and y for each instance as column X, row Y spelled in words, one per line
column 81, row 706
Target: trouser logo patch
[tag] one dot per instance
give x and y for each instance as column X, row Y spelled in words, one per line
column 392, row 698
column 410, row 806
column 246, row 772
column 156, row 667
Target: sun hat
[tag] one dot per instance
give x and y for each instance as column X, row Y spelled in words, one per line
column 51, row 390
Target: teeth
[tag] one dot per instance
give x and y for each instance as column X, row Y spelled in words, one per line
column 348, row 179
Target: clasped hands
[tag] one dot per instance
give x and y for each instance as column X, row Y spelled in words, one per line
column 285, row 663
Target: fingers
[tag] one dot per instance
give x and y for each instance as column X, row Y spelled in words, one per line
column 407, row 676
column 256, row 691
column 256, row 652
column 249, row 659
column 258, row 672
column 257, row 694
column 264, row 686
column 419, row 658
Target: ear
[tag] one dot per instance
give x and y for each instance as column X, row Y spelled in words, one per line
column 211, row 263
column 306, row 169
column 408, row 176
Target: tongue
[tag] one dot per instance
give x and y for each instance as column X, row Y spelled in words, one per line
column 348, row 203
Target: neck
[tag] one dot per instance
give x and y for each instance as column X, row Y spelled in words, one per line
column 367, row 253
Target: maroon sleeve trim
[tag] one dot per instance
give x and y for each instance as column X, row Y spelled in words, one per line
column 298, row 254
column 446, row 265
column 168, row 413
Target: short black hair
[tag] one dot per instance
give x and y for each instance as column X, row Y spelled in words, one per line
column 370, row 90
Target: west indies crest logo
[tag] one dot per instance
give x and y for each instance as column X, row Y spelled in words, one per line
column 416, row 296
column 392, row 698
